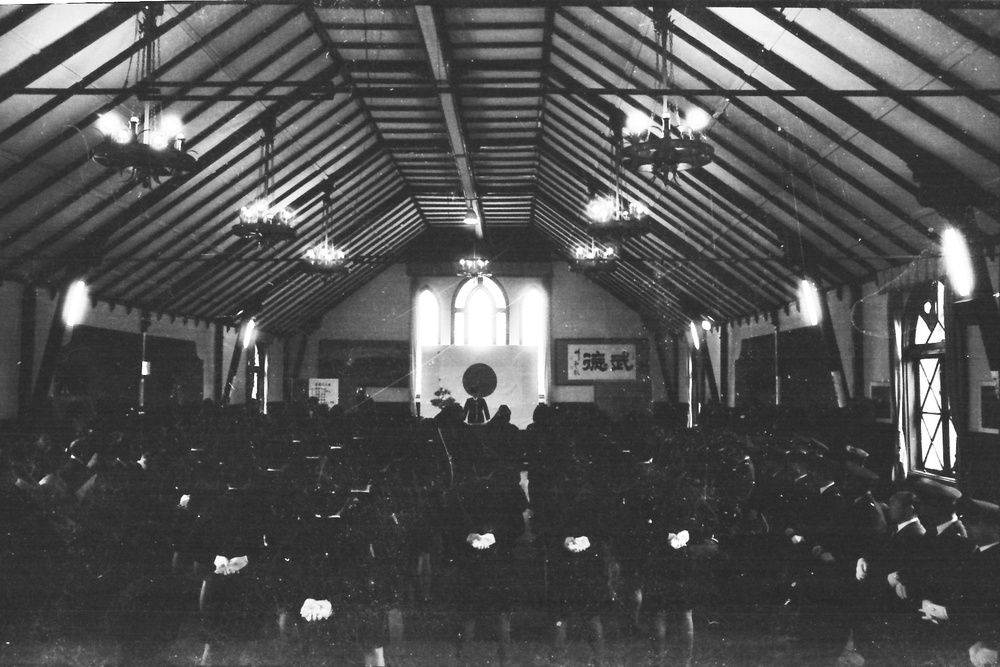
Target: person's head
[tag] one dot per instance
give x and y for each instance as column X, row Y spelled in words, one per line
column 903, row 506
column 502, row 415
column 938, row 501
column 857, row 480
column 982, row 522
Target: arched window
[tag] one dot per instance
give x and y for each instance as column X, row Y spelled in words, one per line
column 480, row 313
column 932, row 432
column 428, row 319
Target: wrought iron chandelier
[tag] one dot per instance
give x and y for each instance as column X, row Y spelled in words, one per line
column 260, row 221
column 149, row 148
column 594, row 258
column 665, row 145
column 474, row 267
column 613, row 216
column 325, row 258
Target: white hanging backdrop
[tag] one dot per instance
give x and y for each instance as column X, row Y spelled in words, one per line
column 516, row 368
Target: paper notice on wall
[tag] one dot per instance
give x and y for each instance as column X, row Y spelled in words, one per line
column 327, row 390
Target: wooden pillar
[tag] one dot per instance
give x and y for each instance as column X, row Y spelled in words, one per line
column 50, row 355
column 777, row 365
column 217, row 359
column 144, row 322
column 234, row 366
column 834, row 361
column 708, row 372
column 724, row 365
column 29, row 314
column 661, row 355
column 858, row 341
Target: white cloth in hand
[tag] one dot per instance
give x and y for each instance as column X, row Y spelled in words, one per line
column 577, row 544
column 934, row 613
column 484, row 541
column 225, row 565
column 982, row 655
column 861, row 571
column 679, row 540
column 316, row 610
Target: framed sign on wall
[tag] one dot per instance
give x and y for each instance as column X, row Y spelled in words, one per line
column 594, row 360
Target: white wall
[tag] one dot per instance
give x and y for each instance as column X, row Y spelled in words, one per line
column 382, row 310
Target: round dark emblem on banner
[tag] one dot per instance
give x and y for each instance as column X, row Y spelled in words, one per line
column 479, row 380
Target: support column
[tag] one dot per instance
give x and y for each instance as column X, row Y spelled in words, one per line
column 708, row 372
column 833, row 358
column 217, row 350
column 144, row 322
column 29, row 313
column 50, row 355
column 661, row 355
column 858, row 341
column 777, row 365
column 724, row 365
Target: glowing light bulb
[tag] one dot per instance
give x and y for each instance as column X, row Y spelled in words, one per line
column 958, row 262
column 171, row 126
column 810, row 302
column 248, row 333
column 156, row 141
column 638, row 124
column 600, row 209
column 76, row 303
column 110, row 124
column 697, row 119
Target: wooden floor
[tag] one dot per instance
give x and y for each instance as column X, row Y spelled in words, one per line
column 724, row 641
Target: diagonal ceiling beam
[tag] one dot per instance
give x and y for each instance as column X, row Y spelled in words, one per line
column 439, row 66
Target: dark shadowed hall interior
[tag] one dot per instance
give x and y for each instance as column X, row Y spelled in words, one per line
column 500, row 332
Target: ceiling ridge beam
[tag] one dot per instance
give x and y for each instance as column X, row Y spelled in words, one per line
column 439, row 54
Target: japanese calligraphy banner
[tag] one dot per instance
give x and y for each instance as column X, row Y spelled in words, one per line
column 600, row 362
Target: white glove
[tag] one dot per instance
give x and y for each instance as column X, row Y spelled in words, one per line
column 797, row 539
column 982, row 655
column 316, row 610
column 478, row 541
column 576, row 544
column 185, row 499
column 861, row 572
column 934, row 613
column 679, row 540
column 225, row 565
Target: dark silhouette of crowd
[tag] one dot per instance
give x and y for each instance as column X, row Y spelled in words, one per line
column 225, row 523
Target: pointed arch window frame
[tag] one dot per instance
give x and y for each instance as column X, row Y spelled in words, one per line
column 501, row 310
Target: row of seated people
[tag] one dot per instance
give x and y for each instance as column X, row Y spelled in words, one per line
column 479, row 524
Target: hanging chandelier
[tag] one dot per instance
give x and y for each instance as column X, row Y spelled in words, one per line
column 614, row 216
column 666, row 144
column 474, row 267
column 260, row 221
column 325, row 258
column 149, row 148
column 594, row 258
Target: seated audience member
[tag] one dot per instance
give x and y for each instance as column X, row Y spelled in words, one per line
column 902, row 558
column 947, row 540
column 501, row 420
